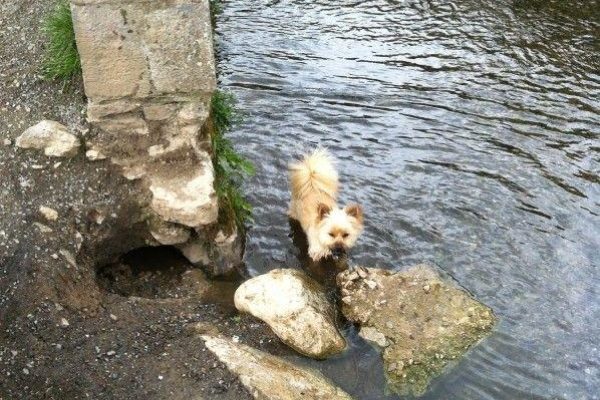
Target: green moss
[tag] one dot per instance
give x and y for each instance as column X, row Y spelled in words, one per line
column 216, row 8
column 62, row 59
column 231, row 169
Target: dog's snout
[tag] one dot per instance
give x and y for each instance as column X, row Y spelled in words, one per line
column 338, row 250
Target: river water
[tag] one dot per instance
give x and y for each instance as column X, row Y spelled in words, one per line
column 470, row 132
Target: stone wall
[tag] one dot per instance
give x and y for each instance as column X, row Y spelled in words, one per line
column 149, row 75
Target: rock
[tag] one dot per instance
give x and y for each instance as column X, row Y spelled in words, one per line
column 167, row 233
column 49, row 213
column 94, row 155
column 424, row 321
column 186, row 199
column 50, row 136
column 42, row 228
column 296, row 309
column 270, row 377
column 372, row 335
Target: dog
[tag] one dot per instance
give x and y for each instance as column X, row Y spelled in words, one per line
column 330, row 230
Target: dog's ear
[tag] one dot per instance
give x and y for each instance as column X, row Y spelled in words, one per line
column 322, row 211
column 354, row 210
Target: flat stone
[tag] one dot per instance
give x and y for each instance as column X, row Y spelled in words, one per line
column 270, row 377
column 52, row 137
column 425, row 321
column 296, row 309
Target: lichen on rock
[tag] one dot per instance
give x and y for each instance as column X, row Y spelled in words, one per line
column 425, row 320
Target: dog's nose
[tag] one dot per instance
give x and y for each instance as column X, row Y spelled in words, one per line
column 338, row 251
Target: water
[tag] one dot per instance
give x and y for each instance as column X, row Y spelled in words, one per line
column 470, row 132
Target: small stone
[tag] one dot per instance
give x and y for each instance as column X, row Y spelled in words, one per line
column 372, row 335
column 352, row 276
column 42, row 228
column 426, row 288
column 113, row 317
column 49, row 213
column 362, row 272
column 111, row 353
column 392, row 367
column 68, row 257
column 347, row 299
column 14, row 353
column 96, row 216
column 94, row 155
column 50, row 136
column 160, row 377
column 25, row 371
column 64, row 322
column 371, row 284
column 7, row 142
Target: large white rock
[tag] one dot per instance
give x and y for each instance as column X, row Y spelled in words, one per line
column 296, row 309
column 52, row 137
column 270, row 377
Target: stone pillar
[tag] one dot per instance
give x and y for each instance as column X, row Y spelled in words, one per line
column 149, row 75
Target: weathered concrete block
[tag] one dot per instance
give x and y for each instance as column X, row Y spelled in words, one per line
column 149, row 74
column 144, row 48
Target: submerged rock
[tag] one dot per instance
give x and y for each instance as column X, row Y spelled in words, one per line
column 52, row 137
column 270, row 377
column 296, row 308
column 420, row 321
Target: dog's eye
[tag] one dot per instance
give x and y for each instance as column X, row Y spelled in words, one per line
column 345, row 235
column 331, row 234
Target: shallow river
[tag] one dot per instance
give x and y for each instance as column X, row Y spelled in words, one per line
column 470, row 132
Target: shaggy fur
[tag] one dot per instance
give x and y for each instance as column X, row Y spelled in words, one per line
column 329, row 229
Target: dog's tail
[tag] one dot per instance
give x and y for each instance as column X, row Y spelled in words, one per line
column 315, row 172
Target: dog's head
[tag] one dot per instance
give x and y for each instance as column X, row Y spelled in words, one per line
column 338, row 228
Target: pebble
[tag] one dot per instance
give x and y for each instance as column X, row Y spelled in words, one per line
column 49, row 213
column 426, row 288
column 64, row 322
column 7, row 142
column 352, row 276
column 361, row 272
column 371, row 284
column 113, row 317
column 25, row 371
column 111, row 353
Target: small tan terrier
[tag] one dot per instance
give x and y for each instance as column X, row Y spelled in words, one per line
column 330, row 230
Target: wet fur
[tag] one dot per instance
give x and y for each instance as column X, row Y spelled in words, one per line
column 314, row 185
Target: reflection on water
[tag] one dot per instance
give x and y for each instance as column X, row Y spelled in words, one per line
column 470, row 132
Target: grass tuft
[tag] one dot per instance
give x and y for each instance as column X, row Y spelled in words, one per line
column 62, row 59
column 231, row 169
